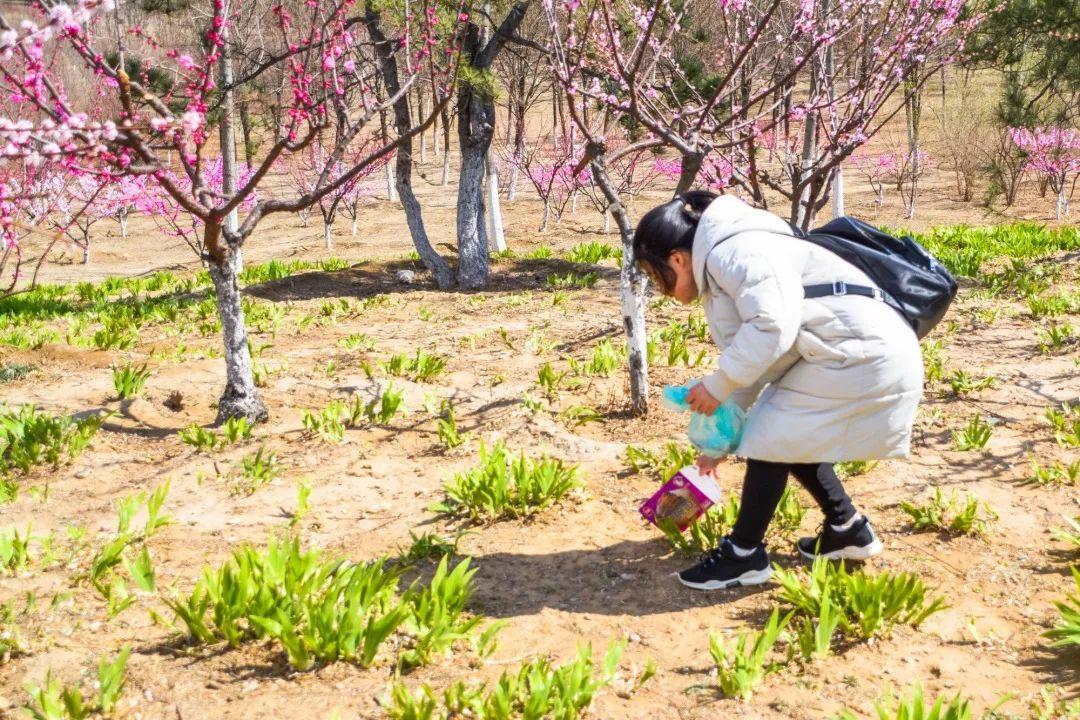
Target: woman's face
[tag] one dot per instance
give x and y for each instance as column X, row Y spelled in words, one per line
column 684, row 289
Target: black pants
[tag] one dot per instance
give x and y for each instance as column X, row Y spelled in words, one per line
column 764, row 484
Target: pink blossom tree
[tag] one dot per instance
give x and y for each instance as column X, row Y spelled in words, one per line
column 322, row 52
column 1054, row 153
column 550, row 170
column 876, row 168
column 617, row 63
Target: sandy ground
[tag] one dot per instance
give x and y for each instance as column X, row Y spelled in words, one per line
column 588, row 571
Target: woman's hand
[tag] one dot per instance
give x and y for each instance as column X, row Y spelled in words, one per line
column 707, row 465
column 701, row 401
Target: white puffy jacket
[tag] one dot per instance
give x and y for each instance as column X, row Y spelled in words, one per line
column 842, row 375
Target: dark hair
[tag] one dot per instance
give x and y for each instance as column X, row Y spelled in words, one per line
column 667, row 228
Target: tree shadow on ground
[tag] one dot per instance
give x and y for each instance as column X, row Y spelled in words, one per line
column 376, row 278
column 625, row 578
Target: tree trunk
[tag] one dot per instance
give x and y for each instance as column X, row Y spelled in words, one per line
column 691, row 166
column 227, row 139
column 240, row 397
column 838, row 192
column 511, row 185
column 445, row 116
column 122, row 217
column 421, row 101
column 245, row 128
column 498, row 239
column 913, row 111
column 631, row 293
column 546, row 214
column 86, row 248
column 328, row 238
column 435, row 263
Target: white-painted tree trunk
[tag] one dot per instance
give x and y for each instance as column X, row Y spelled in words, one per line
column 122, row 217
column 544, row 217
column 391, row 191
column 511, row 186
column 838, row 192
column 607, row 222
column 494, row 208
column 240, row 397
column 328, row 236
column 631, row 295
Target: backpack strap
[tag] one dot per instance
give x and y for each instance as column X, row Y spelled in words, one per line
column 840, row 287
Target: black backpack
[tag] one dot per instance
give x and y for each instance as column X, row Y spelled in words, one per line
column 908, row 278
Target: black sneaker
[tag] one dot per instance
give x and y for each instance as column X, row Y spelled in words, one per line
column 722, row 568
column 859, row 542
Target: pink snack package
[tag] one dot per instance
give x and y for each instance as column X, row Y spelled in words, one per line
column 682, row 499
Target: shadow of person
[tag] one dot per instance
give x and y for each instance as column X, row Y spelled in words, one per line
column 626, row 578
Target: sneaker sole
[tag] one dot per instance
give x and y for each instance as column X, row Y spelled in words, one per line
column 851, row 552
column 753, row 577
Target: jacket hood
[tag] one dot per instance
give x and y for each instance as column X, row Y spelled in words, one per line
column 726, row 217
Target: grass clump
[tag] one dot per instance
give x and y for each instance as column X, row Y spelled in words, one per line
column 572, row 280
column 1067, row 629
column 502, row 486
column 704, row 534
column 14, row 371
column 593, row 253
column 55, row 701
column 320, row 610
column 663, row 464
column 950, row 515
column 538, row 689
column 30, row 438
column 913, row 707
column 1066, row 425
column 973, row 436
column 128, row 381
column 867, row 605
column 422, row 367
column 742, row 665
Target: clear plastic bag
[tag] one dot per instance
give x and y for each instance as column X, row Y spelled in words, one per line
column 713, row 435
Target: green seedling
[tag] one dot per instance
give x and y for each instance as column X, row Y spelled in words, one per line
column 913, row 707
column 743, row 664
column 540, row 252
column 1067, row 629
column 201, row 439
column 15, row 554
column 950, row 515
column 14, row 371
column 503, row 486
column 447, row 426
column 236, row 429
column 260, row 468
column 538, row 689
column 358, row 342
column 422, row 367
column 933, row 360
column 961, row 383
column 428, row 546
column 328, row 423
column 303, row 504
column 814, row 635
column 973, row 436
column 789, row 513
column 578, row 415
column 549, row 381
column 593, row 253
column 378, row 411
column 674, row 457
column 854, row 468
column 1056, row 473
column 1055, row 337
column 868, row 605
column 1071, row 534
column 30, row 438
column 704, row 534
column 572, row 280
column 1066, row 425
